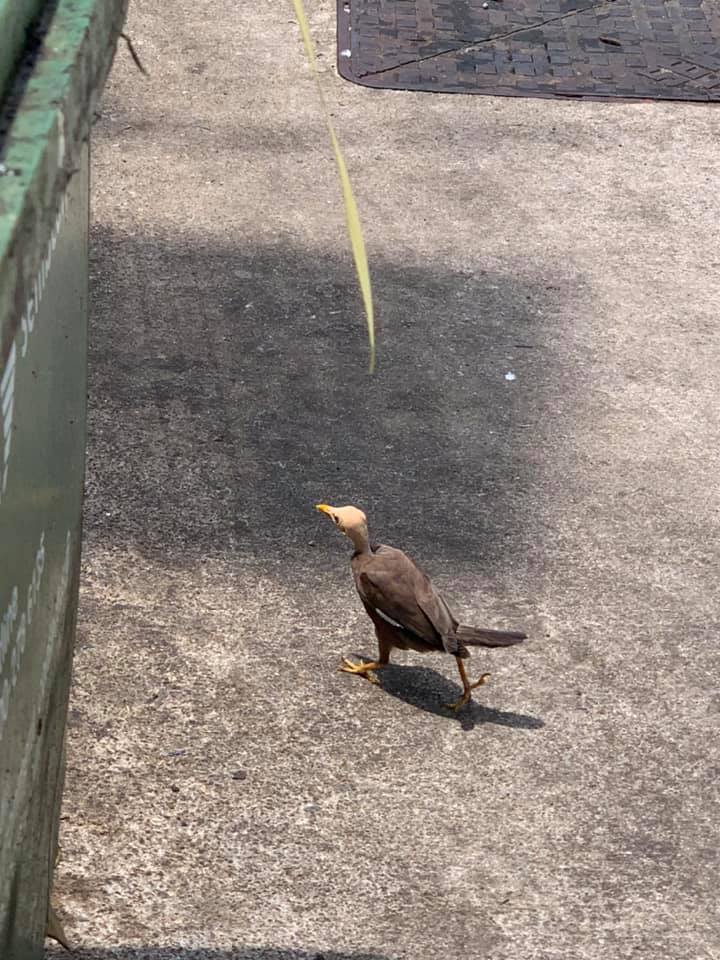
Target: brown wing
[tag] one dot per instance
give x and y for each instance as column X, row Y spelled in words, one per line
column 389, row 581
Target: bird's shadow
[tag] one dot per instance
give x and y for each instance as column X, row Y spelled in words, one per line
column 428, row 690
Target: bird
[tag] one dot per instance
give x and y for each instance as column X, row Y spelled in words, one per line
column 406, row 609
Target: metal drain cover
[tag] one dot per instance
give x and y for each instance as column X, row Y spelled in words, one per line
column 595, row 49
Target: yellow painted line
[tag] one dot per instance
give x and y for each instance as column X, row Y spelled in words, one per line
column 351, row 213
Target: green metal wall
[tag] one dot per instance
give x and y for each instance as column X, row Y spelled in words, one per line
column 43, row 391
column 44, row 157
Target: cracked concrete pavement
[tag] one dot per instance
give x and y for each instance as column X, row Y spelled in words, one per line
column 230, row 795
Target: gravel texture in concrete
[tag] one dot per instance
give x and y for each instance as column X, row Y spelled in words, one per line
column 230, row 794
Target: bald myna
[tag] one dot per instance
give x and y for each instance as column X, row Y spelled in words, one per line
column 406, row 609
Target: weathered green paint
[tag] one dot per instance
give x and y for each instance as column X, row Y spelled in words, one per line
column 43, row 316
column 54, row 115
column 44, row 402
column 15, row 17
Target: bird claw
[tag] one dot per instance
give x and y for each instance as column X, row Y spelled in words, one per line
column 458, row 705
column 362, row 669
column 465, row 698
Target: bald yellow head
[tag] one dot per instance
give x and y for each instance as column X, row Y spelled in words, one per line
column 349, row 520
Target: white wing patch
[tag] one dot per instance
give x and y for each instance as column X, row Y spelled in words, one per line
column 387, row 619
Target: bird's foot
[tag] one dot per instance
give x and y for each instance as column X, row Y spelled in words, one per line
column 364, row 668
column 459, row 704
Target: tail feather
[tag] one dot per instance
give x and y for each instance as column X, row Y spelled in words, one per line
column 478, row 637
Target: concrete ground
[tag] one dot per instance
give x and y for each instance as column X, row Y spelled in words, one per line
column 230, row 794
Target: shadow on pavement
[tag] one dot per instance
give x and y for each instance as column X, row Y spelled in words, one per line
column 229, row 393
column 429, row 690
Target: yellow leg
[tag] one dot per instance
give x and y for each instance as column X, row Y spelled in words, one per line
column 467, row 686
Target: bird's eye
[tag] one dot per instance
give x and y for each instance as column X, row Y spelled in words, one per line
column 337, row 521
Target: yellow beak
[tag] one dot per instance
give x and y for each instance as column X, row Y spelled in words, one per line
column 324, row 508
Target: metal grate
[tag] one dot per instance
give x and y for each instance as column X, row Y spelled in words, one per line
column 595, row 49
